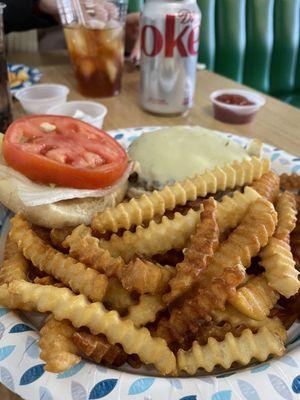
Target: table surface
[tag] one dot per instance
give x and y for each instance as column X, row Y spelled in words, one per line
column 277, row 123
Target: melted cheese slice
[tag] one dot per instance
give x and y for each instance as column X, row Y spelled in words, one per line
column 176, row 153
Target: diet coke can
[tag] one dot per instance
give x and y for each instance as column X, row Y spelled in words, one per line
column 169, row 49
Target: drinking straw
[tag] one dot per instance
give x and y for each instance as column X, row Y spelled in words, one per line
column 79, row 12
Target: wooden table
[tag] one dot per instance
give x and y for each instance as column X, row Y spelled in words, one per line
column 277, row 123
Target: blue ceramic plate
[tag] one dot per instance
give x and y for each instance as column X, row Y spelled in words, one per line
column 21, row 369
column 34, row 75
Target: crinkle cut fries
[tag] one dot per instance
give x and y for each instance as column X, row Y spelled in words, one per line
column 111, row 301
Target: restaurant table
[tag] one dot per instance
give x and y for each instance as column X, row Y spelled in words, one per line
column 276, row 123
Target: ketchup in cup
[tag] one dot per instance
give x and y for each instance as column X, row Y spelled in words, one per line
column 236, row 106
column 235, row 99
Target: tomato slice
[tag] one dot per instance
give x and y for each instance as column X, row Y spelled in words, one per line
column 64, row 151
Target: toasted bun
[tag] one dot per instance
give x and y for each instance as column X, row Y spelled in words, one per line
column 136, row 191
column 63, row 213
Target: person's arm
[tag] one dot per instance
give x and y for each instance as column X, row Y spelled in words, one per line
column 20, row 15
column 48, row 7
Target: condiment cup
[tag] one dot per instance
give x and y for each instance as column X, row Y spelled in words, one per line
column 37, row 99
column 236, row 114
column 96, row 111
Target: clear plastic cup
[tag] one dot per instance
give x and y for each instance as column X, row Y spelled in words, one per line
column 38, row 99
column 88, row 111
column 94, row 31
column 236, row 114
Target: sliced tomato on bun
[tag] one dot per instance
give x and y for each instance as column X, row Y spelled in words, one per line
column 63, row 151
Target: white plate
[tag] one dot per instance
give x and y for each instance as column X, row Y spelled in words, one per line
column 21, row 369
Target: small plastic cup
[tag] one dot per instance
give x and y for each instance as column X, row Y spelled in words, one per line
column 236, row 114
column 94, row 112
column 38, row 98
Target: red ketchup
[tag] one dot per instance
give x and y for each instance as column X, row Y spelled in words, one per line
column 233, row 115
column 235, row 99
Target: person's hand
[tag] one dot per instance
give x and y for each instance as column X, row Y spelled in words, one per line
column 48, row 7
column 132, row 35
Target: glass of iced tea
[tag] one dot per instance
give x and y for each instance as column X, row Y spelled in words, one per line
column 94, row 31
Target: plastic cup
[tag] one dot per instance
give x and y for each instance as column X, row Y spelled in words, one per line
column 95, row 112
column 94, row 32
column 236, row 114
column 38, row 99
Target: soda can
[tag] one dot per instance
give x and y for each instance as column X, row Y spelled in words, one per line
column 169, row 52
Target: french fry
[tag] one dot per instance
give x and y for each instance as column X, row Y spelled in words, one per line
column 279, row 265
column 210, row 329
column 146, row 277
column 198, row 304
column 235, row 322
column 42, row 233
column 290, row 182
column 58, row 236
column 98, row 349
column 88, row 250
column 174, row 233
column 287, row 215
column 17, row 79
column 15, row 266
column 61, row 343
column 137, row 211
column 231, row 320
column 241, row 349
column 255, row 299
column 66, row 305
column 224, row 273
column 14, row 301
column 267, row 186
column 141, row 276
column 23, row 75
column 236, row 318
column 157, row 238
column 145, row 310
column 116, row 297
column 64, row 268
column 195, row 205
column 198, row 253
column 254, row 148
column 246, row 240
column 45, row 280
column 231, row 210
column 57, row 347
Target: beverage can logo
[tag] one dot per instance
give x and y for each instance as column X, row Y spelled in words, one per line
column 185, row 16
column 154, row 42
